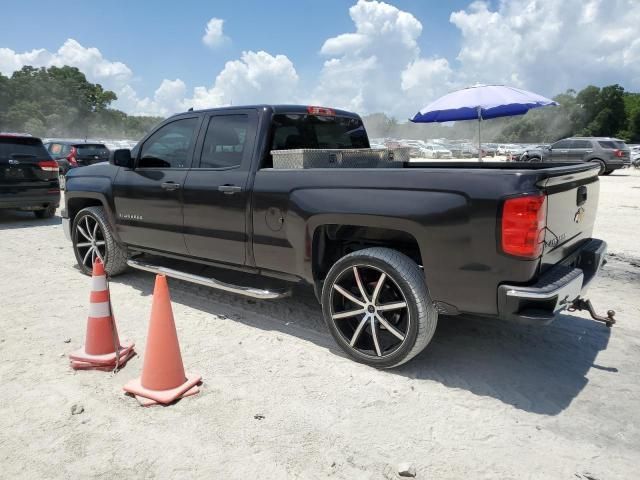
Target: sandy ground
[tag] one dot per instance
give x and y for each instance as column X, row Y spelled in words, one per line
column 484, row 401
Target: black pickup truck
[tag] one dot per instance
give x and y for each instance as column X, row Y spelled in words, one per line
column 386, row 249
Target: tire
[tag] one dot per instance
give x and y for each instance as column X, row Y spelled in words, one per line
column 603, row 166
column 48, row 212
column 92, row 236
column 412, row 325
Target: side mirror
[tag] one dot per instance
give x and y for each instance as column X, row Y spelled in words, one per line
column 121, row 158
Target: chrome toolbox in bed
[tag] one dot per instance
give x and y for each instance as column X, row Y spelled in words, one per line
column 339, row 158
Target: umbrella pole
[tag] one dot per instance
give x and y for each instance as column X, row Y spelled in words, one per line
column 479, row 143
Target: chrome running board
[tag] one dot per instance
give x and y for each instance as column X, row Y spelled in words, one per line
column 210, row 282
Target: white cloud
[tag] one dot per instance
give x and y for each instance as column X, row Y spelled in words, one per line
column 365, row 69
column 167, row 99
column 214, row 36
column 89, row 60
column 549, row 46
column 257, row 77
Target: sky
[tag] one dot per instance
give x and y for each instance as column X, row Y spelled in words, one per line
column 362, row 55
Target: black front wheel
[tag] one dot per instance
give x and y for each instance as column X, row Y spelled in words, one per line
column 377, row 307
column 92, row 238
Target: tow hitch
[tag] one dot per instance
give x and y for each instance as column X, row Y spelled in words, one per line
column 582, row 304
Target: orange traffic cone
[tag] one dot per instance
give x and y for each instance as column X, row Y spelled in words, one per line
column 163, row 379
column 102, row 349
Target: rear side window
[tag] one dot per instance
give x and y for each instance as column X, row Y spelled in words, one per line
column 581, row 144
column 612, row 144
column 224, row 141
column 562, row 144
column 92, row 150
column 16, row 147
column 292, row 131
column 170, row 146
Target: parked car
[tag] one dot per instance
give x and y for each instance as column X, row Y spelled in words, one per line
column 635, row 155
column 434, row 151
column 77, row 154
column 72, row 154
column 490, row 149
column 28, row 176
column 608, row 153
column 385, row 249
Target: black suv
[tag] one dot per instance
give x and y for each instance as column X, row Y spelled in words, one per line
column 28, row 176
column 609, row 153
column 70, row 154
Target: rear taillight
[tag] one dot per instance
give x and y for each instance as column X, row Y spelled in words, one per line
column 321, row 111
column 523, row 225
column 48, row 165
column 618, row 153
column 71, row 158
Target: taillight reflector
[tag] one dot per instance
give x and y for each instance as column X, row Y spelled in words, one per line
column 523, row 225
column 321, row 111
column 618, row 153
column 48, row 165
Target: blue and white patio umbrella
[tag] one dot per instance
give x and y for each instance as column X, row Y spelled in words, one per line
column 481, row 102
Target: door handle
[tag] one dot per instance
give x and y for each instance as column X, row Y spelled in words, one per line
column 229, row 189
column 170, row 186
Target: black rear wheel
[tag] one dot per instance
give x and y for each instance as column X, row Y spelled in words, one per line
column 376, row 304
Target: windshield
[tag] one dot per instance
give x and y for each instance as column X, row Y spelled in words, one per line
column 22, row 146
column 310, row 131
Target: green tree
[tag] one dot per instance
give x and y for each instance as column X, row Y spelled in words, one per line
column 59, row 102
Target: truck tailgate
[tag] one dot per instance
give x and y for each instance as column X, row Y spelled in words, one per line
column 572, row 201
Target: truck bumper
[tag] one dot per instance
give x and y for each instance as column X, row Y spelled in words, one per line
column 556, row 289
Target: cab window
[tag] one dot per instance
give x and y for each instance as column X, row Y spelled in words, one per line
column 224, row 142
column 170, row 146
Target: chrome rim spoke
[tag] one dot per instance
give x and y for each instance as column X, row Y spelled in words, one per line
column 389, row 327
column 347, row 295
column 84, row 234
column 89, row 228
column 362, row 322
column 376, row 292
column 352, row 313
column 391, row 306
column 358, row 331
column 374, row 334
column 86, row 255
column 356, row 275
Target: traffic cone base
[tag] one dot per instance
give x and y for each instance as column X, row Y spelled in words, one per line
column 125, row 356
column 162, row 396
column 106, row 359
column 147, row 402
